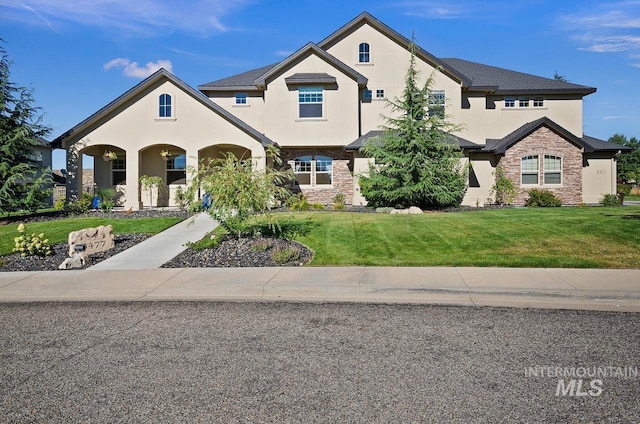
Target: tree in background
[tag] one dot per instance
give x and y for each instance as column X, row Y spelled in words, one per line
column 21, row 179
column 628, row 162
column 417, row 160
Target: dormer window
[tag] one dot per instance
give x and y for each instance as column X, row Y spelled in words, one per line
column 165, row 106
column 364, row 53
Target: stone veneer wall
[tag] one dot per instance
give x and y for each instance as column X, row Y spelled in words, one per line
column 342, row 174
column 546, row 142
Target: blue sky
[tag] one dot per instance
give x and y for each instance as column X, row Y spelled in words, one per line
column 77, row 56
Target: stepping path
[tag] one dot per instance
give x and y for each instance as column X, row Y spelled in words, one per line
column 162, row 247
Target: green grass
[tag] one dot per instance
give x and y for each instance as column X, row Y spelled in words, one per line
column 57, row 231
column 593, row 237
column 632, row 197
column 20, row 213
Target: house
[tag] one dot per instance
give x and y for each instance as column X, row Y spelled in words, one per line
column 323, row 101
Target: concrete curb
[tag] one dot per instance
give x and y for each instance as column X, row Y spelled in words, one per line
column 602, row 290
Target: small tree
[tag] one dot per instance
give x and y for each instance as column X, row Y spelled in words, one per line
column 148, row 183
column 417, row 160
column 22, row 181
column 503, row 190
column 237, row 190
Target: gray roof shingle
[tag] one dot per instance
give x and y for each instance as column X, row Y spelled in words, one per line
column 505, row 81
column 359, row 142
column 243, row 81
column 310, row 78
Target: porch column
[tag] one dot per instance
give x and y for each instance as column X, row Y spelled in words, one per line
column 132, row 196
column 259, row 157
column 74, row 174
column 192, row 164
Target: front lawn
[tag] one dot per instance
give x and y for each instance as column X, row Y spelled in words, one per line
column 57, row 231
column 593, row 237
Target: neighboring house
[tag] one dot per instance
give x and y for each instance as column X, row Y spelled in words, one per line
column 321, row 103
column 41, row 157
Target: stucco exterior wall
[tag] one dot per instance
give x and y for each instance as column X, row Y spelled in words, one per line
column 136, row 127
column 387, row 71
column 546, row 142
column 598, row 177
column 481, row 180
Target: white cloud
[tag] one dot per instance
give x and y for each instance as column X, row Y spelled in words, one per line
column 137, row 17
column 133, row 70
column 607, row 28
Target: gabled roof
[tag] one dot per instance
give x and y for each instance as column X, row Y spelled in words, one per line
column 504, row 81
column 96, row 119
column 500, row 146
column 367, row 18
column 589, row 144
column 310, row 48
column 359, row 142
column 256, row 79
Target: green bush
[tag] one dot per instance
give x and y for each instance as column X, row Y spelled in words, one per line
column 298, row 202
column 182, row 198
column 59, row 204
column 282, row 255
column 542, row 199
column 81, row 205
column 29, row 245
column 611, row 200
column 503, row 189
column 318, row 206
column 107, row 198
column 338, row 202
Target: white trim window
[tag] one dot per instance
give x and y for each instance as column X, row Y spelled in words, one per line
column 240, row 99
column 437, row 102
column 538, row 101
column 176, row 172
column 313, row 170
column 364, row 53
column 119, row 171
column 529, row 170
column 509, row 102
column 380, row 93
column 523, row 101
column 165, row 106
column 552, row 170
column 310, row 101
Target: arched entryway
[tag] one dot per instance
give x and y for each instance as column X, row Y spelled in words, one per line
column 168, row 162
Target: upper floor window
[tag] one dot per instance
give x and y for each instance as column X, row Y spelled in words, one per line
column 165, row 106
column 552, row 169
column 241, row 99
column 436, row 101
column 379, row 94
column 364, row 53
column 529, row 169
column 310, row 102
column 509, row 102
column 523, row 101
column 538, row 101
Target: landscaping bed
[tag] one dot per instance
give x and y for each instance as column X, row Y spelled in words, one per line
column 244, row 252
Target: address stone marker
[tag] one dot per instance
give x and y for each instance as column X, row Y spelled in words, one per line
column 94, row 240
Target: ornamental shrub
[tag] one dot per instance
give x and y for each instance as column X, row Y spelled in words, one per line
column 542, row 199
column 30, row 245
column 611, row 200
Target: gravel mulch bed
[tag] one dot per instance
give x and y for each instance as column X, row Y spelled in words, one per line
column 242, row 252
column 15, row 262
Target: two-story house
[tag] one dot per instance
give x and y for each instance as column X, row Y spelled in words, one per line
column 323, row 101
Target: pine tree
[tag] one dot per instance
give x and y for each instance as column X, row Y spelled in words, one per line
column 21, row 179
column 417, row 160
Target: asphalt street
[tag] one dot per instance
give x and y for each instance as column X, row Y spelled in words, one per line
column 293, row 362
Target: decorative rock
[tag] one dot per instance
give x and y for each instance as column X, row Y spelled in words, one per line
column 399, row 212
column 415, row 210
column 77, row 261
column 94, row 240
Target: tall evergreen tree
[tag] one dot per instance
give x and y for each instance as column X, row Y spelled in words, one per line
column 21, row 179
column 417, row 160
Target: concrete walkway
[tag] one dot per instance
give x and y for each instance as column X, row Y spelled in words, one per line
column 589, row 289
column 156, row 250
